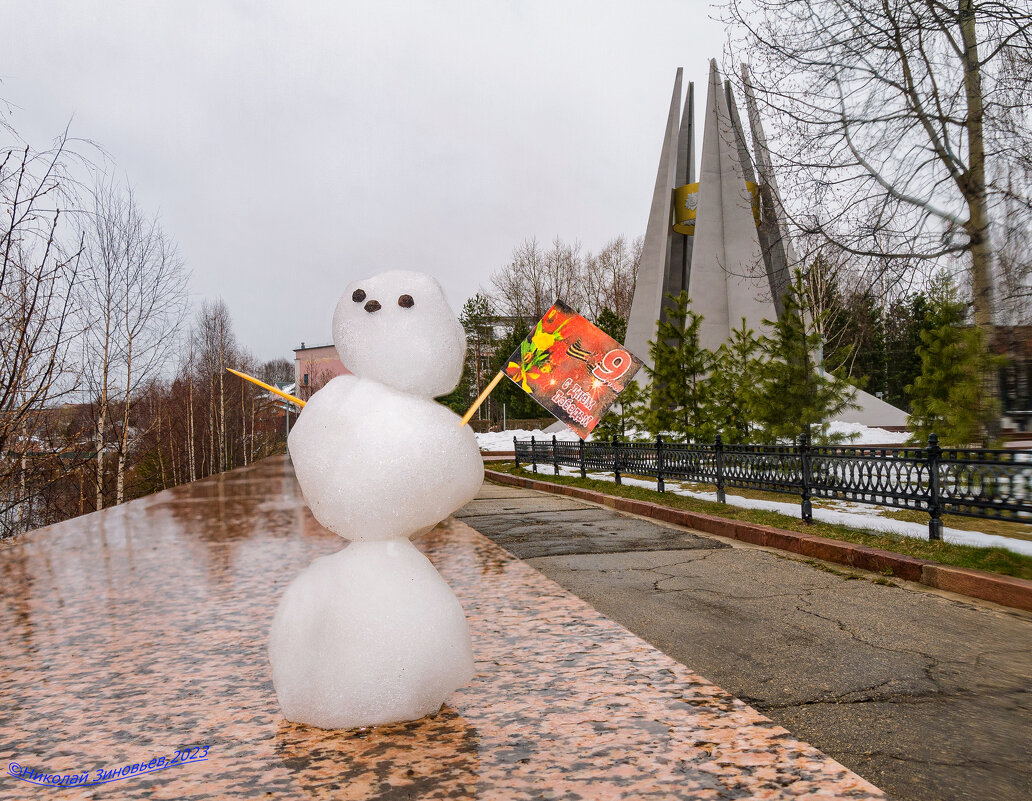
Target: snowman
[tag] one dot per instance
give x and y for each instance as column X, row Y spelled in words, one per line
column 372, row 634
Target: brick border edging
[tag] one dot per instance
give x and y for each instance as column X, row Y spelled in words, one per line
column 1003, row 590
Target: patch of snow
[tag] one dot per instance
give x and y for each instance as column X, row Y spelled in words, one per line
column 858, row 516
column 502, row 440
column 855, row 434
column 859, row 434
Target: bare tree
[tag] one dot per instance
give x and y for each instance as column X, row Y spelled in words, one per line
column 186, row 372
column 216, row 349
column 1013, row 265
column 901, row 126
column 313, row 378
column 154, row 299
column 520, row 287
column 564, row 271
column 134, row 290
column 610, row 276
column 99, row 291
column 37, row 278
column 90, row 303
column 535, row 278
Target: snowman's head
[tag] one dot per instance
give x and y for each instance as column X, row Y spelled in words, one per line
column 397, row 328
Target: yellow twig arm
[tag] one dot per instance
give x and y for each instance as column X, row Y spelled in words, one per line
column 263, row 385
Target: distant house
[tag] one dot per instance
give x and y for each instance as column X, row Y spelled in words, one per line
column 314, row 365
column 1014, row 342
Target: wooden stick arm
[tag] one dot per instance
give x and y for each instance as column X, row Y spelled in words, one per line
column 465, row 418
column 263, row 385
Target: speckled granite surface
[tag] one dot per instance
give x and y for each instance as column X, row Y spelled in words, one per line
column 127, row 634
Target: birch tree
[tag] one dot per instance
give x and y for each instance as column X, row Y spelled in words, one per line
column 134, row 301
column 216, row 349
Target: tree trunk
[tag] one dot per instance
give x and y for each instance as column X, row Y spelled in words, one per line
column 102, row 412
column 975, row 188
column 252, row 426
column 157, row 440
column 978, row 227
column 190, row 453
column 223, row 458
column 101, row 421
column 211, row 423
column 120, row 481
column 123, row 445
column 22, row 499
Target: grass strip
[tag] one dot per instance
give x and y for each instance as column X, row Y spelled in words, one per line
column 993, row 560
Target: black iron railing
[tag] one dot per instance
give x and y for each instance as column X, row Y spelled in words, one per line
column 975, row 482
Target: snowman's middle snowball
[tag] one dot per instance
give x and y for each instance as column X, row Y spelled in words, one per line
column 375, row 464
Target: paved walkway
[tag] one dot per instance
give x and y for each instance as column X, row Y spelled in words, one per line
column 132, row 633
column 928, row 697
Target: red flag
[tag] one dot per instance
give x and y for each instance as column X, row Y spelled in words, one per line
column 572, row 368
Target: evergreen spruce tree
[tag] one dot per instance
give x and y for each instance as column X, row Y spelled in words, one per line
column 862, row 355
column 947, row 397
column 680, row 401
column 852, row 324
column 793, row 395
column 613, row 324
column 626, row 418
column 475, row 318
column 733, row 383
column 906, row 319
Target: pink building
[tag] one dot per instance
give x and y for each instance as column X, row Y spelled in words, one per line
column 314, row 366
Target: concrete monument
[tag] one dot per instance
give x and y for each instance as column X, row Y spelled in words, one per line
column 724, row 239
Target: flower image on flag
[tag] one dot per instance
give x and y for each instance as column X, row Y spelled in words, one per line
column 572, row 368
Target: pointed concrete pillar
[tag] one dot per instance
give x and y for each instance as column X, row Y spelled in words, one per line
column 771, row 247
column 728, row 280
column 647, row 303
column 680, row 245
column 686, row 140
column 744, row 159
column 777, row 245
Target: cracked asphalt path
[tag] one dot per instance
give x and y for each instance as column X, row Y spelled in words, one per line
column 927, row 696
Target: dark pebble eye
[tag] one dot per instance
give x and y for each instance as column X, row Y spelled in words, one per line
column 406, row 302
column 358, row 296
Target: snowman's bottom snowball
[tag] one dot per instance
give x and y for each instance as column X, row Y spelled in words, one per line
column 371, row 634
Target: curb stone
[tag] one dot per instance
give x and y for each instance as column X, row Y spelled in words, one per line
column 1003, row 590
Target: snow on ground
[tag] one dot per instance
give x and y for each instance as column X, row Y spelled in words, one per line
column 852, row 515
column 865, row 435
column 502, row 440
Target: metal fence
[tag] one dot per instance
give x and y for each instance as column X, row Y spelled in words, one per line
column 974, row 482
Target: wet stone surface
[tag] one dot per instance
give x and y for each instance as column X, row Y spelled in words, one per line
column 928, row 697
column 139, row 630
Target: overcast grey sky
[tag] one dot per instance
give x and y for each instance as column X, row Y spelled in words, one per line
column 291, row 147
